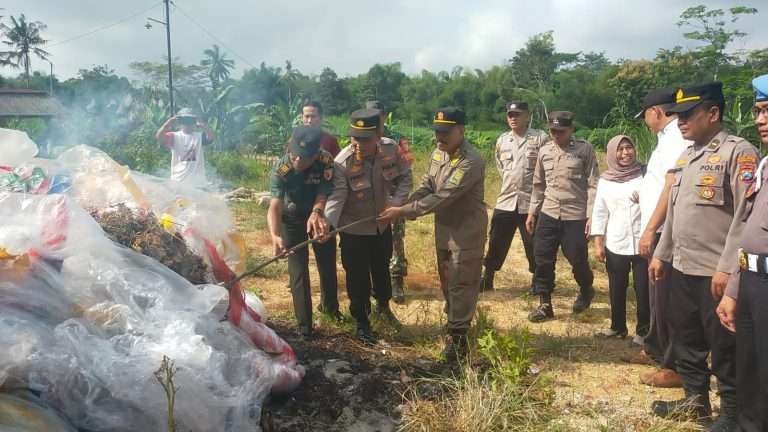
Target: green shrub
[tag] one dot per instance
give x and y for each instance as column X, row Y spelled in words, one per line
column 242, row 170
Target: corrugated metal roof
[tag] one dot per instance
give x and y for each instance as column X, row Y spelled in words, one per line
column 28, row 103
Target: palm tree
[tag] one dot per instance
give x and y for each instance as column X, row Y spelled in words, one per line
column 24, row 39
column 218, row 65
column 290, row 76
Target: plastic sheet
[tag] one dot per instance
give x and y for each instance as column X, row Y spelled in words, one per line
column 17, row 148
column 84, row 324
column 99, row 182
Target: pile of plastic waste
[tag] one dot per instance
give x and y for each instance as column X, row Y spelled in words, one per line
column 85, row 321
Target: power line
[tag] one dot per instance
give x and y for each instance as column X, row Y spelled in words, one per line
column 212, row 36
column 105, row 27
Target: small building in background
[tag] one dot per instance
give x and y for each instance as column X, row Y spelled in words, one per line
column 19, row 108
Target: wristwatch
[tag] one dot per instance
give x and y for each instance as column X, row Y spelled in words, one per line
column 317, row 210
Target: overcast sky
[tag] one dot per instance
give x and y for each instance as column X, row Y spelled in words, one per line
column 352, row 36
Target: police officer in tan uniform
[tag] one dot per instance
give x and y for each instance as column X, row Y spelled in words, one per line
column 564, row 186
column 452, row 189
column 516, row 154
column 369, row 175
column 744, row 307
column 700, row 239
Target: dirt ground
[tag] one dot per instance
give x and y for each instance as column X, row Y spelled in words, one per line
column 350, row 387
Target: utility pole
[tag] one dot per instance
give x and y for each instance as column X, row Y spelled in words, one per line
column 167, row 24
column 168, row 41
column 50, row 80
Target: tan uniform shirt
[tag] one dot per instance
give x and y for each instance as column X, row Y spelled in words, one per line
column 565, row 181
column 754, row 237
column 453, row 189
column 706, row 206
column 364, row 188
column 516, row 160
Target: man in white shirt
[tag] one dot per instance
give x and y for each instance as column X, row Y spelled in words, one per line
column 654, row 196
column 186, row 146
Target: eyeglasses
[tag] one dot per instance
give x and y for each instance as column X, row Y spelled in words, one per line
column 757, row 112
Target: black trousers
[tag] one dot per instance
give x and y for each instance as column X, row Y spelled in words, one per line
column 366, row 261
column 658, row 342
column 752, row 352
column 295, row 232
column 552, row 234
column 697, row 333
column 618, row 267
column 503, row 226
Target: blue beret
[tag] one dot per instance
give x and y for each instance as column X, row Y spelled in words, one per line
column 760, row 85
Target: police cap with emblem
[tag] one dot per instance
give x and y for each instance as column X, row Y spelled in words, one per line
column 688, row 98
column 448, row 117
column 364, row 123
column 517, row 106
column 760, row 84
column 662, row 96
column 305, row 141
column 559, row 120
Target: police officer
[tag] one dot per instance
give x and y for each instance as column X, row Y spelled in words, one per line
column 300, row 185
column 711, row 181
column 564, row 186
column 744, row 308
column 369, row 176
column 398, row 265
column 516, row 154
column 452, row 189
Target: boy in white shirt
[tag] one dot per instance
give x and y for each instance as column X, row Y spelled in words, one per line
column 186, row 146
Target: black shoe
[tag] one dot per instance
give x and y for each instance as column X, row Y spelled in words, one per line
column 386, row 315
column 542, row 313
column 398, row 291
column 366, row 336
column 695, row 407
column 486, row 283
column 456, row 348
column 584, row 300
column 611, row 334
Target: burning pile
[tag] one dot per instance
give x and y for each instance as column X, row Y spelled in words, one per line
column 85, row 322
column 143, row 233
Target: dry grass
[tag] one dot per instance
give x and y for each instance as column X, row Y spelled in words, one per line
column 469, row 402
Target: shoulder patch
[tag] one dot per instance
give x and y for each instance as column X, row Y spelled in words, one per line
column 681, row 163
column 326, row 157
column 747, row 166
column 283, row 169
column 437, row 157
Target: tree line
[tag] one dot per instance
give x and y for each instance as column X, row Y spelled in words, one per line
column 255, row 112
